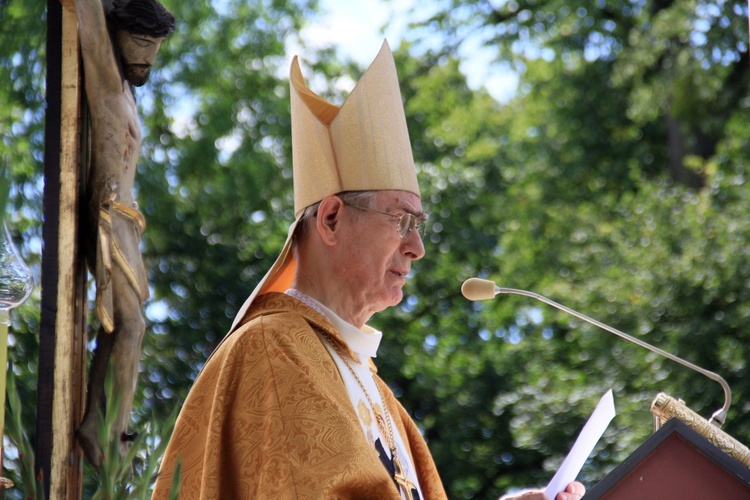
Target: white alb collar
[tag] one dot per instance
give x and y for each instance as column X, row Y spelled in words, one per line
column 363, row 341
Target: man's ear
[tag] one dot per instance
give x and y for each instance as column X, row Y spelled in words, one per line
column 328, row 221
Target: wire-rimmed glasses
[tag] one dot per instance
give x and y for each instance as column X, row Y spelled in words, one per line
column 407, row 222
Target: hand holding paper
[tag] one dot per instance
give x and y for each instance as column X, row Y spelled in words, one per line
column 584, row 445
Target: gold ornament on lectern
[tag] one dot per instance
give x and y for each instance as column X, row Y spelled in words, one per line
column 665, row 407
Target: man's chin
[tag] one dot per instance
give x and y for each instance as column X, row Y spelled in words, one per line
column 397, row 297
column 392, row 300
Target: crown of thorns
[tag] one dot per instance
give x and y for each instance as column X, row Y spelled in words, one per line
column 141, row 17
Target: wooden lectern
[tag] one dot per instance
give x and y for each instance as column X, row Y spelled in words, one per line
column 678, row 462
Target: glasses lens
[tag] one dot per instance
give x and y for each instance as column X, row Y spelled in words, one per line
column 410, row 222
column 404, row 225
column 421, row 227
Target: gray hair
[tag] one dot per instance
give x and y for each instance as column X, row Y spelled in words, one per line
column 358, row 198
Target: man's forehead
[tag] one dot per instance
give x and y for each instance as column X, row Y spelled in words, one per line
column 405, row 200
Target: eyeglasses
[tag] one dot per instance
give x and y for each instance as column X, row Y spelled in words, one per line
column 406, row 222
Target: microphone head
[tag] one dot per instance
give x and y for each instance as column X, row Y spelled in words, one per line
column 478, row 289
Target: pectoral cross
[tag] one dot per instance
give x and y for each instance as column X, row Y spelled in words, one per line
column 396, row 471
column 403, row 482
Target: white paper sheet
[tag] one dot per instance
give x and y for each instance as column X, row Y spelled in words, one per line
column 584, row 445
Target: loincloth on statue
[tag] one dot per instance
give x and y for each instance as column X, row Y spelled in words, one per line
column 119, row 234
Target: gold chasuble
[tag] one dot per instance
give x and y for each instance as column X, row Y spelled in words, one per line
column 269, row 417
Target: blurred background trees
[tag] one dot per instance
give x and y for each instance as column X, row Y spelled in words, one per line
column 612, row 181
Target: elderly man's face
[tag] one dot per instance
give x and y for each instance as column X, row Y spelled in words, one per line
column 376, row 260
column 138, row 55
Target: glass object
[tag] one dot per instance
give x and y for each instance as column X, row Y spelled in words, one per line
column 16, row 283
column 16, row 280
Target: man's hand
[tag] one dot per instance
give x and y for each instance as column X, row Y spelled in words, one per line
column 574, row 491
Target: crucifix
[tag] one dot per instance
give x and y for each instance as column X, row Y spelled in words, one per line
column 118, row 48
column 401, row 480
column 396, row 471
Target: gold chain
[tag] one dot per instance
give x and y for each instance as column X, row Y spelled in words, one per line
column 334, row 344
column 404, row 484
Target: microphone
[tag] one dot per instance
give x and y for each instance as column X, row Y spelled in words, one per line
column 479, row 289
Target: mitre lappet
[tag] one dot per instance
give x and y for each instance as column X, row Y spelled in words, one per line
column 362, row 145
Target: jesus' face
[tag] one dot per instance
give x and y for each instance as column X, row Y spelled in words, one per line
column 138, row 54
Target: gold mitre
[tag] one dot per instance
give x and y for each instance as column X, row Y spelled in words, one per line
column 362, row 145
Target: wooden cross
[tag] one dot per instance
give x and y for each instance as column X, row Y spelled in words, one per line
column 62, row 350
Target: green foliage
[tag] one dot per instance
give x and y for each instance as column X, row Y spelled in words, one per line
column 174, row 487
column 128, row 477
column 614, row 182
column 4, row 190
column 133, row 475
column 22, row 70
column 584, row 190
column 25, row 480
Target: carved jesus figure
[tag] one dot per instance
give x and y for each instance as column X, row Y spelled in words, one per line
column 118, row 49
